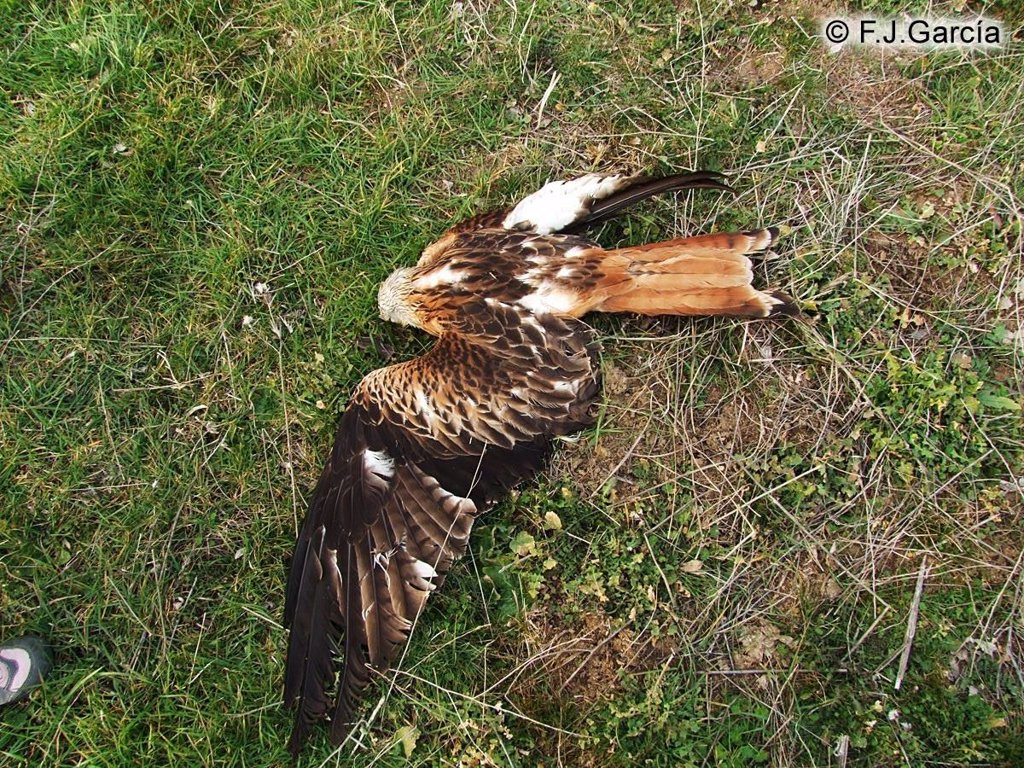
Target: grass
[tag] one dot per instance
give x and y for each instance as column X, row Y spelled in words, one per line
column 197, row 200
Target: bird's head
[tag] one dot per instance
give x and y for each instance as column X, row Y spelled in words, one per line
column 392, row 298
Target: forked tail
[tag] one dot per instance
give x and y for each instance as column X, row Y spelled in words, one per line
column 703, row 275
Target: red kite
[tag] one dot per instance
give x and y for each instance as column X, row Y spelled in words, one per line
column 427, row 445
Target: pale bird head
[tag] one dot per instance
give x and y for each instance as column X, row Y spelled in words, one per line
column 392, row 298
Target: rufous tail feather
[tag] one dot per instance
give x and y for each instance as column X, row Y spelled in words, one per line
column 704, row 275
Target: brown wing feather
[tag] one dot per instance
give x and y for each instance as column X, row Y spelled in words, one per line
column 424, row 447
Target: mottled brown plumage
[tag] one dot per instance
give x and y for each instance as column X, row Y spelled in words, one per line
column 426, row 445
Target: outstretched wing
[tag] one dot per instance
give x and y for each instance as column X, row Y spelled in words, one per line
column 423, row 448
column 575, row 205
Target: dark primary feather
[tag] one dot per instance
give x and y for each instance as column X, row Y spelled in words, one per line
column 642, row 188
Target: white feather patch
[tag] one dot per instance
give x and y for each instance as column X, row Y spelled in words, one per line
column 379, row 463
column 425, row 406
column 444, row 276
column 548, row 299
column 558, row 204
column 423, row 570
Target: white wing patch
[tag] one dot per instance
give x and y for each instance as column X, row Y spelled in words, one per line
column 379, row 463
column 444, row 276
column 424, row 570
column 558, row 204
column 532, row 276
column 425, row 406
column 549, row 299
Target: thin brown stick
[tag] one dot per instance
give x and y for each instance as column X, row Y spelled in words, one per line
column 915, row 607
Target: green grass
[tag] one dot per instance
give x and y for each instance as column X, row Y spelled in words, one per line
column 197, row 200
